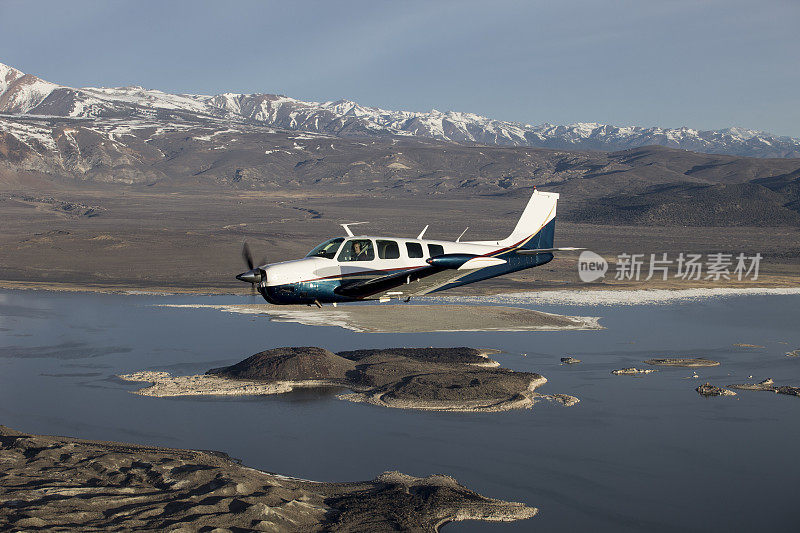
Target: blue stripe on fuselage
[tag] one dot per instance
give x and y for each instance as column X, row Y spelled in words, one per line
column 321, row 290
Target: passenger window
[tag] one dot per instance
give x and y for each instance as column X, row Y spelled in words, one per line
column 435, row 249
column 357, row 250
column 388, row 249
column 414, row 249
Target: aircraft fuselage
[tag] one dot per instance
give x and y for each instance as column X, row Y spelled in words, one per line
column 311, row 279
column 365, row 267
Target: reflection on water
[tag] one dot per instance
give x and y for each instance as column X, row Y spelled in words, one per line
column 638, row 453
column 64, row 350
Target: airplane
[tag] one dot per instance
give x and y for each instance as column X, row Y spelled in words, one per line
column 354, row 268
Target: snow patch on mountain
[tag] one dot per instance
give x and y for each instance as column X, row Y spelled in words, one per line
column 32, row 135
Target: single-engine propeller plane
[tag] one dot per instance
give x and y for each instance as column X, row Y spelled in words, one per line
column 362, row 267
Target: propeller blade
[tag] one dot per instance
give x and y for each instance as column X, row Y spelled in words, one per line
column 247, row 256
column 253, row 276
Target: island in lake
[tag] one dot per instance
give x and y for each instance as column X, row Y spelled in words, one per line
column 441, row 379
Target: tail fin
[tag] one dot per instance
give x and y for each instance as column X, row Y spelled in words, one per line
column 536, row 226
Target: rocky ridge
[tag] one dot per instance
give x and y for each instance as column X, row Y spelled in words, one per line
column 64, row 483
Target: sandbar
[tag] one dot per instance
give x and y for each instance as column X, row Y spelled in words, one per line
column 691, row 362
column 631, row 371
column 412, row 318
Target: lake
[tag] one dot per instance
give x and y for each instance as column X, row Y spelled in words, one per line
column 637, row 453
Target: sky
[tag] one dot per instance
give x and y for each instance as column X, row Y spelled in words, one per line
column 704, row 64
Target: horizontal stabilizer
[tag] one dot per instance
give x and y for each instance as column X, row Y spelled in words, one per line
column 547, row 250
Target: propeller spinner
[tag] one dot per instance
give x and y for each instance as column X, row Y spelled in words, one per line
column 255, row 274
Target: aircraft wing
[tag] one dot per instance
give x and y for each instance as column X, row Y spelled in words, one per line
column 440, row 271
column 546, row 250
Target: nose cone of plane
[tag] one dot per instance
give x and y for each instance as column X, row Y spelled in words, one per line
column 251, row 276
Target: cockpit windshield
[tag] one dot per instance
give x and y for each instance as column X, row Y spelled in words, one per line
column 327, row 249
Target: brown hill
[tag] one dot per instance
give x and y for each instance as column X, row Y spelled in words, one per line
column 684, row 204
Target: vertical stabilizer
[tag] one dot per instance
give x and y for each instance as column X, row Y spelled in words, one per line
column 537, row 223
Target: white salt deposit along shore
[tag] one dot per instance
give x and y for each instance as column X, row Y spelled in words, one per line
column 615, row 297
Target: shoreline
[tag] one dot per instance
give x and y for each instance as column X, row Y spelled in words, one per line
column 159, row 290
column 608, row 297
column 495, row 295
column 123, row 290
column 165, row 385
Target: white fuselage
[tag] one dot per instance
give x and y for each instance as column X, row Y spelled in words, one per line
column 317, row 268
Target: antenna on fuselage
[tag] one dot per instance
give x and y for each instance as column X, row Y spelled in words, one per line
column 462, row 234
column 421, row 233
column 347, row 227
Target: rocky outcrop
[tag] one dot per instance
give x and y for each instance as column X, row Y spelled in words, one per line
column 51, row 483
column 707, row 389
column 768, row 385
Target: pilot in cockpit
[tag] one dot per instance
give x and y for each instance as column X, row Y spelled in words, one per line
column 359, row 251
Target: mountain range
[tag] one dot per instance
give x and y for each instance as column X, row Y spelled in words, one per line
column 26, row 94
column 56, row 138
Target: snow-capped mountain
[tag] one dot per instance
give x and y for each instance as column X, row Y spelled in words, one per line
column 22, row 93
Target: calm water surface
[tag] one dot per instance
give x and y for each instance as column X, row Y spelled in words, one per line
column 636, row 454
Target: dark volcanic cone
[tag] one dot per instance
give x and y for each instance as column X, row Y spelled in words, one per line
column 290, row 364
